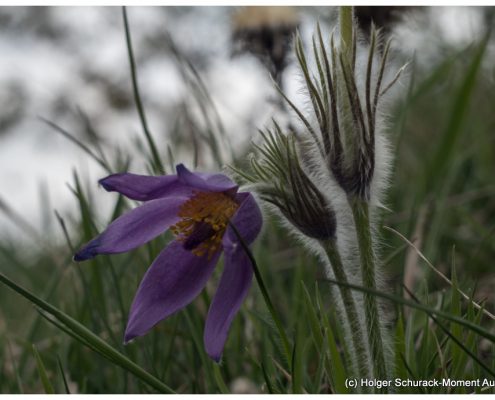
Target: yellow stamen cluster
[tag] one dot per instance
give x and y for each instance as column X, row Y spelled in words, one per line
column 215, row 209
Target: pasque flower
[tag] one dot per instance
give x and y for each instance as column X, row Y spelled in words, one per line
column 197, row 208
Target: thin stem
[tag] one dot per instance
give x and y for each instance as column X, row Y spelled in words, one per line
column 360, row 211
column 350, row 308
column 266, row 296
column 137, row 97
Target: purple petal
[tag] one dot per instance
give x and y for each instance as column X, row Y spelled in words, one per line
column 247, row 220
column 134, row 228
column 174, row 279
column 144, row 187
column 236, row 278
column 204, row 181
column 233, row 288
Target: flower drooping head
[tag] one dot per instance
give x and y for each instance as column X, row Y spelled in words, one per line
column 198, row 209
column 282, row 181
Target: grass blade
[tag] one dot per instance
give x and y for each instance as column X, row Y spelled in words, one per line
column 99, row 344
column 297, row 364
column 312, row 317
column 335, row 369
column 419, row 306
column 268, row 382
column 16, row 369
column 459, row 359
column 61, row 368
column 42, row 371
column 157, row 163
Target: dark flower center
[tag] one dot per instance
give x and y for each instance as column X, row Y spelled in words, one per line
column 201, row 232
column 204, row 219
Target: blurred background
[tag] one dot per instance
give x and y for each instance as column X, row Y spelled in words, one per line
column 70, row 66
column 206, row 75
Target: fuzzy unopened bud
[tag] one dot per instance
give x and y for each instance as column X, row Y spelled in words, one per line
column 281, row 181
column 346, row 114
column 304, row 205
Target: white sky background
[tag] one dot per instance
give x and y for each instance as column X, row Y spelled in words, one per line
column 45, row 73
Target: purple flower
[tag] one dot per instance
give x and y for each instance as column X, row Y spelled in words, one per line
column 197, row 208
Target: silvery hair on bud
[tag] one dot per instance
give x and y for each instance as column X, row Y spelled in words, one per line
column 335, row 172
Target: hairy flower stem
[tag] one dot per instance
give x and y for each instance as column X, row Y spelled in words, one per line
column 358, row 338
column 360, row 211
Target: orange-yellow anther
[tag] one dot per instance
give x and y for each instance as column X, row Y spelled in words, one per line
column 214, row 209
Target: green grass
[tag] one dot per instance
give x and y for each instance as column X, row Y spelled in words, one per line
column 64, row 331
